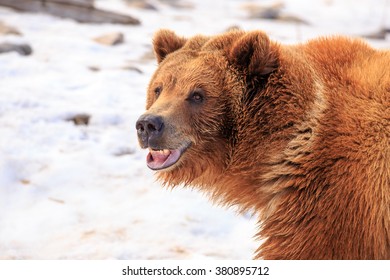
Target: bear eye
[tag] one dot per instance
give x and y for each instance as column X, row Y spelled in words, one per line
column 197, row 96
column 157, row 91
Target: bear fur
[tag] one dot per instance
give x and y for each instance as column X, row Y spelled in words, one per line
column 297, row 134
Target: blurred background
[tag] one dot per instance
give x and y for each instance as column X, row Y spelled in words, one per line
column 73, row 78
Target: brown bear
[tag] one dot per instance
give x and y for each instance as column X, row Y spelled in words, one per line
column 298, row 134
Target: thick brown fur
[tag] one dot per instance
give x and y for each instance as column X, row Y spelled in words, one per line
column 298, row 134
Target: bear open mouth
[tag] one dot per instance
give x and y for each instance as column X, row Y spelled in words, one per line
column 161, row 159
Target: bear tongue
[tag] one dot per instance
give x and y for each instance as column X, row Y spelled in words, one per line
column 160, row 159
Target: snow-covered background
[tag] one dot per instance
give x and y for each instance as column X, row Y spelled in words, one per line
column 84, row 192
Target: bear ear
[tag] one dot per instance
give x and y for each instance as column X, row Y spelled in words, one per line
column 166, row 42
column 252, row 54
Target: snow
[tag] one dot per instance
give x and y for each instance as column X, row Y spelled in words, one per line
column 84, row 192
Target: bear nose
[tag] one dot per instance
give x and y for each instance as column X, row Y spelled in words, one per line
column 149, row 127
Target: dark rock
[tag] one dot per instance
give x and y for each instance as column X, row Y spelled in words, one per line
column 22, row 49
column 291, row 18
column 132, row 68
column 271, row 12
column 378, row 35
column 110, row 39
column 141, row 4
column 123, row 151
column 94, row 68
column 79, row 10
column 264, row 12
column 80, row 119
column 178, row 4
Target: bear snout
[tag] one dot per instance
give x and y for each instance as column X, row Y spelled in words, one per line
column 149, row 129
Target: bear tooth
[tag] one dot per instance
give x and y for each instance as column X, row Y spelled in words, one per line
column 164, row 152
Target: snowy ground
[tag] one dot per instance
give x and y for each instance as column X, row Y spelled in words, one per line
column 84, row 192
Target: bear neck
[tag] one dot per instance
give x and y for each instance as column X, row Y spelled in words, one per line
column 270, row 117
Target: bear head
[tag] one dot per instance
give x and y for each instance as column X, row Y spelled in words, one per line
column 195, row 100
